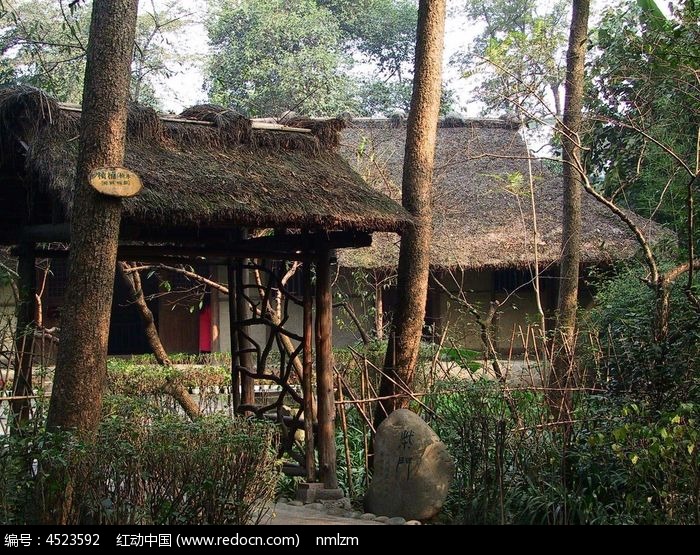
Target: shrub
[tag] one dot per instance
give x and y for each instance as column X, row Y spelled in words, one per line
column 623, row 462
column 149, row 381
column 129, row 378
column 147, row 466
column 628, row 354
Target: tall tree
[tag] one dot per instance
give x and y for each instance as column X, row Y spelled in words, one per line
column 382, row 32
column 81, row 364
column 644, row 85
column 562, row 369
column 320, row 57
column 43, row 45
column 518, row 56
column 270, row 56
column 381, row 35
column 645, row 154
column 414, row 256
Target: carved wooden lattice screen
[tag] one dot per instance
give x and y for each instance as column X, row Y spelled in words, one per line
column 271, row 339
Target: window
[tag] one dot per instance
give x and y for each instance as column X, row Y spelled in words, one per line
column 509, row 280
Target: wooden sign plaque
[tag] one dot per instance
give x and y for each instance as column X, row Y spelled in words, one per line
column 116, row 182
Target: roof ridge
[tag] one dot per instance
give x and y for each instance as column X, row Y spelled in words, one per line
column 256, row 123
column 451, row 121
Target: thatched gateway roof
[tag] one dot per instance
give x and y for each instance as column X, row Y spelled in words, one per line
column 482, row 202
column 216, row 170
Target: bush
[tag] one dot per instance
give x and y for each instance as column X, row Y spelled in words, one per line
column 150, row 381
column 629, row 357
column 473, row 419
column 146, row 466
column 623, row 462
column 655, row 457
column 128, row 378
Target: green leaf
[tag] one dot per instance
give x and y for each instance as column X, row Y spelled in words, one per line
column 652, row 11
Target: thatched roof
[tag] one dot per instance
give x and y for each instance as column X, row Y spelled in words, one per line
column 482, row 202
column 209, row 167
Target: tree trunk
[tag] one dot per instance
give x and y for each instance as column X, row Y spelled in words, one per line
column 414, row 257
column 662, row 289
column 81, row 363
column 378, row 312
column 175, row 390
column 563, row 368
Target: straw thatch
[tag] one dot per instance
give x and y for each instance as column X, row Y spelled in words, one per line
column 482, row 202
column 214, row 171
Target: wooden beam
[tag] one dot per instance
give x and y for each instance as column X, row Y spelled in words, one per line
column 174, row 255
column 46, row 233
column 307, row 242
column 286, row 247
column 307, row 376
column 267, row 126
column 324, row 373
column 216, row 242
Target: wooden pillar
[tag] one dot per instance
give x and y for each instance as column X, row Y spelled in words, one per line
column 324, row 373
column 245, row 356
column 24, row 338
column 233, row 335
column 307, row 376
column 244, row 312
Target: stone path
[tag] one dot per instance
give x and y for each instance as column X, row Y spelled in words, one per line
column 284, row 513
column 326, row 512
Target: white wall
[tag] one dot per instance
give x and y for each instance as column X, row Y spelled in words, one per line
column 344, row 331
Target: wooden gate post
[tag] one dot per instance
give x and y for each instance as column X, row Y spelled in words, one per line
column 233, row 335
column 324, row 373
column 308, row 386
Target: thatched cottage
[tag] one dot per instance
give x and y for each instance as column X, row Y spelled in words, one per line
column 202, row 170
column 483, row 234
column 483, row 242
column 219, row 190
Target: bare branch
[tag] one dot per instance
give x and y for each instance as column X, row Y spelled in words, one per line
column 641, row 238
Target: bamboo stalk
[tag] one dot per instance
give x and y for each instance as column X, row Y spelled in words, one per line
column 346, row 442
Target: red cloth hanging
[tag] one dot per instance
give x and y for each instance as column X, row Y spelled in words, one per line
column 205, row 329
